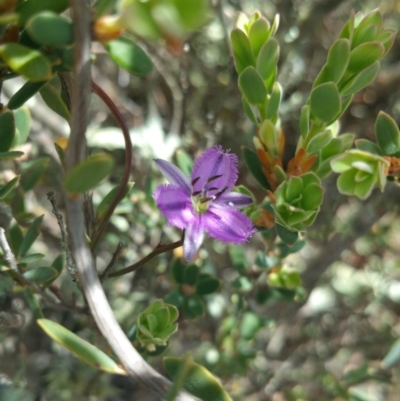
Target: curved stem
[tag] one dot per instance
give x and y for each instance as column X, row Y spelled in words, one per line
column 127, row 168
column 159, row 249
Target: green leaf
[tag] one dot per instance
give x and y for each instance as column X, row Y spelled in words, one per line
column 198, row 380
column 60, row 153
column 31, row 235
column 361, row 80
column 33, row 303
column 5, row 189
column 129, row 56
column 365, row 55
column 191, row 273
column 305, row 120
column 312, row 197
column 287, row 236
column 248, row 110
column 348, row 29
column 102, row 7
column 7, row 130
column 81, row 348
column 336, row 64
column 24, row 94
column 89, row 173
column 177, row 270
column 387, row 38
column 252, row 86
column 27, row 62
column 32, row 172
column 106, row 201
column 392, row 358
column 255, row 167
column 32, row 258
column 28, row 8
column 238, row 258
column 387, row 135
column 59, row 262
column 41, row 274
column 23, row 125
column 373, row 18
column 49, row 29
column 184, row 162
column 52, row 97
column 267, row 61
column 325, row 102
column 368, row 146
column 10, row 155
column 249, row 325
column 207, row 285
column 319, row 141
column 16, row 238
column 193, row 307
column 241, row 50
column 274, row 102
column 259, row 34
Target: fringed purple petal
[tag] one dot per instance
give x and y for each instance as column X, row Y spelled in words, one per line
column 174, row 175
column 227, row 224
column 234, row 199
column 214, row 171
column 194, row 237
column 175, row 204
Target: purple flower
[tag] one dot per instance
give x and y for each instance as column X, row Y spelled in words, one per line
column 205, row 204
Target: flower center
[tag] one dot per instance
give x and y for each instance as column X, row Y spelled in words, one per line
column 202, row 198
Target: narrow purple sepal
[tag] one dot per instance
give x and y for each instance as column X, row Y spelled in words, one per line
column 175, row 204
column 227, row 224
column 235, row 199
column 194, row 237
column 174, row 175
column 214, row 171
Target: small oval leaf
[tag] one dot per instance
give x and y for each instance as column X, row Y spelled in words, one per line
column 89, row 173
column 27, row 62
column 252, row 86
column 325, row 102
column 365, row 55
column 32, row 258
column 198, row 380
column 49, row 29
column 129, row 56
column 28, row 8
column 41, row 274
column 54, row 101
column 387, row 135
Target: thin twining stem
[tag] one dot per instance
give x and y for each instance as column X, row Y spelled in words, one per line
column 127, row 168
column 114, row 258
column 159, row 249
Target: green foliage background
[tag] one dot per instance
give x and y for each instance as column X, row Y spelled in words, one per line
column 276, row 350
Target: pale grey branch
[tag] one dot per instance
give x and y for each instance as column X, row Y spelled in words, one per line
column 132, row 361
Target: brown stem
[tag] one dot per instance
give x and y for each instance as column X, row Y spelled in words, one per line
column 114, row 258
column 159, row 249
column 128, row 163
